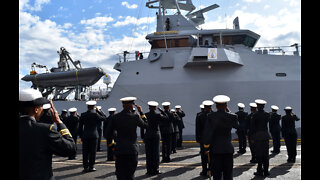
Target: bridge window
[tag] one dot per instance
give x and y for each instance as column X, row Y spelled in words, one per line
column 171, row 43
column 236, row 39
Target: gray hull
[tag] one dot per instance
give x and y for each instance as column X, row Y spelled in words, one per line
column 189, row 86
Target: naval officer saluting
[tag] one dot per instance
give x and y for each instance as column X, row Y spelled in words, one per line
column 38, row 141
column 152, row 138
column 289, row 133
column 261, row 137
column 275, row 129
column 126, row 149
column 88, row 132
column 218, row 135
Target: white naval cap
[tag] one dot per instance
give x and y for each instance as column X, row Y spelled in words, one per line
column 241, row 105
column 31, row 97
column 46, row 106
column 166, row 103
column 288, row 108
column 172, row 110
column 221, row 99
column 128, row 99
column 153, row 103
column 274, row 107
column 112, row 109
column 73, row 109
column 98, row 107
column 207, row 103
column 91, row 103
column 260, row 101
column 253, row 105
column 201, row 106
column 177, row 107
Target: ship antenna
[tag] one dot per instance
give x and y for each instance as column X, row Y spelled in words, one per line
column 164, row 34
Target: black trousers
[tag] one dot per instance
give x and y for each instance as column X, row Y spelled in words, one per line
column 110, row 150
column 89, row 149
column 166, row 146
column 179, row 141
column 222, row 165
column 252, row 147
column 291, row 144
column 174, row 141
column 276, row 140
column 152, row 146
column 262, row 152
column 126, row 165
column 204, row 159
column 242, row 140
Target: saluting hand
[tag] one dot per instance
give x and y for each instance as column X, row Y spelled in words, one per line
column 54, row 114
column 139, row 108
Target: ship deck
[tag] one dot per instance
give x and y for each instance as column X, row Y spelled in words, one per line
column 186, row 165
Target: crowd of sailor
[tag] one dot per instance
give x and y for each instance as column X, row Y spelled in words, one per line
column 213, row 133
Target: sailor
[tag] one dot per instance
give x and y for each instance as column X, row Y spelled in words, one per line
column 289, row 133
column 175, row 133
column 151, row 138
column 166, row 130
column 88, row 132
column 46, row 115
column 200, row 126
column 38, row 141
column 64, row 115
column 167, row 24
column 126, row 149
column 73, row 125
column 242, row 131
column 261, row 138
column 101, row 113
column 275, row 129
column 110, row 140
column 253, row 109
column 218, row 135
column 181, row 114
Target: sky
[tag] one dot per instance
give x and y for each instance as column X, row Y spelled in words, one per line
column 94, row 31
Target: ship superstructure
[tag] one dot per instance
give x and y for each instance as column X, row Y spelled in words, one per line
column 187, row 65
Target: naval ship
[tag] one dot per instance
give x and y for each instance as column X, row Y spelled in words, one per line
column 187, row 65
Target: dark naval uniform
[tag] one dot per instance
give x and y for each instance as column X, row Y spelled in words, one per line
column 261, row 138
column 289, row 134
column 72, row 123
column 181, row 114
column 217, row 133
column 250, row 130
column 275, row 129
column 110, row 140
column 166, row 130
column 200, row 126
column 175, row 133
column 126, row 149
column 88, row 132
column 37, row 143
column 152, row 141
column 242, row 131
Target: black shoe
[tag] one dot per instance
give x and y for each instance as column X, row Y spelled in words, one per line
column 265, row 174
column 156, row 173
column 85, row 170
column 258, row 173
column 203, row 173
column 92, row 169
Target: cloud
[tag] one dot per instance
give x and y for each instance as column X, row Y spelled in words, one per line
column 126, row 4
column 37, row 6
column 132, row 20
column 99, row 22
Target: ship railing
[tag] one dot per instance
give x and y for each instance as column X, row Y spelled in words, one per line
column 126, row 56
column 293, row 50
